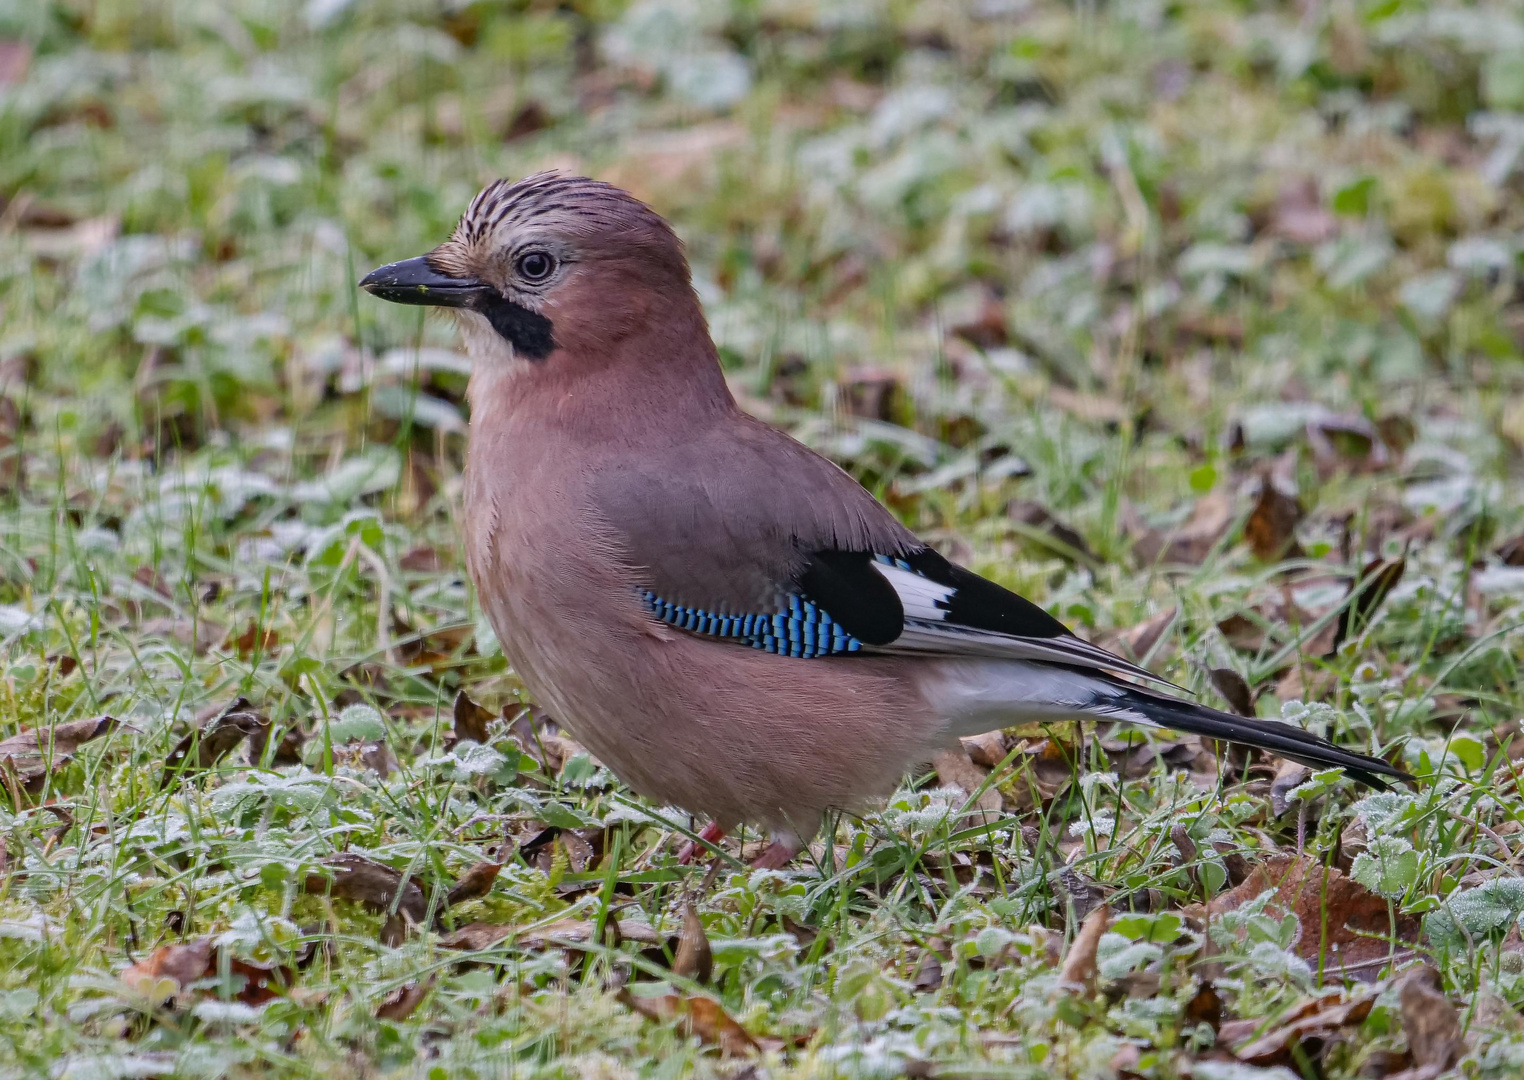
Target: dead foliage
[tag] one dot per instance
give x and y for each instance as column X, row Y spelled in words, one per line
column 255, row 640
column 563, row 933
column 204, row 746
column 1305, row 1032
column 1078, row 972
column 28, row 757
column 1345, row 928
column 1271, row 526
column 167, row 975
column 404, row 1001
column 1192, row 542
column 1431, row 1023
column 378, row 887
column 474, row 883
column 701, row 1017
column 694, row 960
column 1040, row 526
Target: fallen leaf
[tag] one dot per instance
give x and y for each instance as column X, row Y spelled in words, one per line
column 564, row 932
column 1376, row 580
column 1288, row 775
column 928, row 973
column 1304, row 1032
column 1192, row 542
column 1140, row 640
column 372, row 884
column 1343, row 925
column 170, row 970
column 404, row 1001
column 198, row 635
column 694, row 959
column 422, row 560
column 1205, row 1007
column 1041, row 526
column 474, row 883
column 34, row 753
column 874, row 394
column 1346, row 441
column 254, row 639
column 1431, row 1023
column 1234, row 690
column 987, row 750
column 1042, row 769
column 954, row 769
column 700, row 1016
column 204, row 746
column 1511, row 551
column 471, row 720
column 1078, row 972
column 1271, row 526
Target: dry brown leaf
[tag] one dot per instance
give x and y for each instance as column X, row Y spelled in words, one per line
column 1288, row 775
column 404, row 1001
column 474, row 883
column 1140, row 640
column 203, row 747
column 1205, row 1007
column 1343, row 924
column 1078, row 973
column 694, row 960
column 1041, row 526
column 1271, row 527
column 1234, row 690
column 873, row 393
column 198, row 635
column 1303, row 1031
column 559, row 934
column 954, row 769
column 1431, row 1023
column 370, row 883
column 471, row 720
column 254, row 639
column 170, row 969
column 1042, row 769
column 166, row 972
column 32, row 754
column 987, row 750
column 1188, row 545
column 698, row 1016
column 1347, row 442
column 1377, row 579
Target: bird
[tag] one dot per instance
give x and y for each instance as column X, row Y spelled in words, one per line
column 726, row 619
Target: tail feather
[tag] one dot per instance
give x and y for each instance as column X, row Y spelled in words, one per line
column 1283, row 740
column 975, row 695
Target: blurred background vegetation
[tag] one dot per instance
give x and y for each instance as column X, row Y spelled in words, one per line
column 1190, row 319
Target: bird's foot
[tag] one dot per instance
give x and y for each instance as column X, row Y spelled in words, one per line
column 777, row 855
column 712, row 833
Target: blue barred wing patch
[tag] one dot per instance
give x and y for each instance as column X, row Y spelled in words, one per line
column 804, row 630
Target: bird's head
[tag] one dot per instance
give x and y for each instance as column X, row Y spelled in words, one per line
column 549, row 270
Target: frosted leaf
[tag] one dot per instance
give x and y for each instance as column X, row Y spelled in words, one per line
column 1487, row 909
column 1387, row 867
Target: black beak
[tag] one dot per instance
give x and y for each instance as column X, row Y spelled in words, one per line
column 414, row 281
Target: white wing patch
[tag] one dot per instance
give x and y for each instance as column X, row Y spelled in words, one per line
column 928, row 630
column 918, row 595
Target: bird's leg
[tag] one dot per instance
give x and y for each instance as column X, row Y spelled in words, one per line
column 778, row 854
column 711, row 833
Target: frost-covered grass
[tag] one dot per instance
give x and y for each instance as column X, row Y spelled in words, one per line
column 1116, row 265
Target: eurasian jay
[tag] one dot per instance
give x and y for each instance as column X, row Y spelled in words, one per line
column 726, row 619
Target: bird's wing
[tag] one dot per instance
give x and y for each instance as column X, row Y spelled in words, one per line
column 757, row 540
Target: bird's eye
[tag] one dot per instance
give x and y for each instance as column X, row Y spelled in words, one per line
column 535, row 266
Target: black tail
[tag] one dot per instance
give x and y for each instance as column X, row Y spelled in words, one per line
column 1283, row 740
